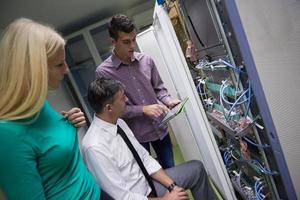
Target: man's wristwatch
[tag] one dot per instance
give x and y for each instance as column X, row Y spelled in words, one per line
column 171, row 186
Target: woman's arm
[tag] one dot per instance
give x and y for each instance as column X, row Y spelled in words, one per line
column 19, row 177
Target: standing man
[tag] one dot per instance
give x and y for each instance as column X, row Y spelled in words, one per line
column 122, row 167
column 148, row 99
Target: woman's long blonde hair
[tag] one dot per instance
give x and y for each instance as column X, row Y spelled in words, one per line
column 25, row 48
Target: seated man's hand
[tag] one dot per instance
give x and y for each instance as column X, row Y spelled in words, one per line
column 173, row 103
column 75, row 116
column 154, row 110
column 178, row 193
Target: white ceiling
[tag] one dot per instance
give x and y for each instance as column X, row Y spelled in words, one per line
column 67, row 15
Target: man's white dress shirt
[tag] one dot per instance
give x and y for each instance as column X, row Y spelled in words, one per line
column 111, row 162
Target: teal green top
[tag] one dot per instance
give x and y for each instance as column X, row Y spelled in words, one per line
column 40, row 159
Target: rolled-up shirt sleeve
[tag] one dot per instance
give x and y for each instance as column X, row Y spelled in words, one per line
column 149, row 162
column 132, row 111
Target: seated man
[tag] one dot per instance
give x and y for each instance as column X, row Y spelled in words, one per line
column 122, row 167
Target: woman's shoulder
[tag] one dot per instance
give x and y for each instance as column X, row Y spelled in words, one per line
column 48, row 118
column 11, row 128
column 21, row 132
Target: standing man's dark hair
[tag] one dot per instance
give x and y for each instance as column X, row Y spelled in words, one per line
column 102, row 91
column 120, row 22
column 148, row 99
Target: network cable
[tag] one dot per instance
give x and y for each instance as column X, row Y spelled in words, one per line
column 255, row 144
column 249, row 101
column 227, row 156
column 258, row 187
column 237, row 101
column 201, row 81
column 221, row 61
column 263, row 169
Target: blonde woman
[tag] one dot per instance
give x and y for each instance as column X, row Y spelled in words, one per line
column 39, row 154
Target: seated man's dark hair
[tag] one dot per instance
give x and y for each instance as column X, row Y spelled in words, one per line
column 118, row 23
column 101, row 91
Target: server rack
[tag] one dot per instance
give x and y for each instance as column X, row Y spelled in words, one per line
column 220, row 74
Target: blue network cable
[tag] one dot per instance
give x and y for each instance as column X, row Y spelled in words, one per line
column 258, row 186
column 255, row 144
column 237, row 101
column 220, row 61
column 262, row 169
column 227, row 156
column 222, row 92
column 249, row 100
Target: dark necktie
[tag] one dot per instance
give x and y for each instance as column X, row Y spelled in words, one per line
column 138, row 160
